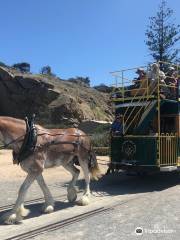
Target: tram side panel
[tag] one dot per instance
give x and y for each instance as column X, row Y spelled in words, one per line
column 133, row 151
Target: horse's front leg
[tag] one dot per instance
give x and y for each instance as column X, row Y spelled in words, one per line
column 16, row 214
column 49, row 201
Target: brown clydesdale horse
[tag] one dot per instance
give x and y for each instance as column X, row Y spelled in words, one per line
column 69, row 144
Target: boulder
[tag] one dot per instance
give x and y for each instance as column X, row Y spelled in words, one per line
column 53, row 100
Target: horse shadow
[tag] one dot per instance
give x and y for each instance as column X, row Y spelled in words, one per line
column 111, row 185
column 36, row 209
column 121, row 183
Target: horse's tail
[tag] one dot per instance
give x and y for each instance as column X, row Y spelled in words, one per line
column 93, row 166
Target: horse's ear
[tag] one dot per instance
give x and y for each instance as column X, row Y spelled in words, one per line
column 27, row 123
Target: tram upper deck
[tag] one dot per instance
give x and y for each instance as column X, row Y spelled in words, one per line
column 144, row 100
column 150, row 83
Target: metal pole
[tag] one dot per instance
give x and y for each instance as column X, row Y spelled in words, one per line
column 122, row 76
column 159, row 118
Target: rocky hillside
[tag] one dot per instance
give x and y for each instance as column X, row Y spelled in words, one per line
column 54, row 100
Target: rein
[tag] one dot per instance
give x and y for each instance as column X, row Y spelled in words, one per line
column 11, row 142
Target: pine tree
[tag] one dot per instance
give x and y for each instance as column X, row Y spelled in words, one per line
column 163, row 35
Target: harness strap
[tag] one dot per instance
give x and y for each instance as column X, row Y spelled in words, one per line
column 57, row 143
column 8, row 144
column 30, row 140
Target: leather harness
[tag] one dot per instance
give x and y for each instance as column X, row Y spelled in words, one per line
column 29, row 144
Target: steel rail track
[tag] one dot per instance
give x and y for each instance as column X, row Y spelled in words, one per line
column 36, row 200
column 60, row 224
column 68, row 221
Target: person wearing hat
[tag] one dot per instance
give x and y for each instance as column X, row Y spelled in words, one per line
column 170, row 76
column 155, row 76
column 117, row 125
column 171, row 81
column 142, row 76
column 141, row 72
column 140, row 83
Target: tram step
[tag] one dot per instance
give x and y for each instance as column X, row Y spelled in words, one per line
column 168, row 168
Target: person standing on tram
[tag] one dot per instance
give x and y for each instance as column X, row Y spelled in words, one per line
column 117, row 126
column 171, row 81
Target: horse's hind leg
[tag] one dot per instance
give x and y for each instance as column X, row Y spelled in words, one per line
column 72, row 194
column 15, row 215
column 85, row 198
column 49, row 201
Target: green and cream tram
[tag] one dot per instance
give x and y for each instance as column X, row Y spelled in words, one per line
column 150, row 139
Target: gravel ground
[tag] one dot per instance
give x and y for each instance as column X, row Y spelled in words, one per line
column 151, row 204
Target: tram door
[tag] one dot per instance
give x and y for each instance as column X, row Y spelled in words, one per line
column 168, row 145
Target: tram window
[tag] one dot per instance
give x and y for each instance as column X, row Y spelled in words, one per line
column 168, row 125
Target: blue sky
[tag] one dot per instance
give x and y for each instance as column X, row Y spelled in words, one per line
column 77, row 37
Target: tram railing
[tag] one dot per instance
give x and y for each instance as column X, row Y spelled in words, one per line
column 168, row 150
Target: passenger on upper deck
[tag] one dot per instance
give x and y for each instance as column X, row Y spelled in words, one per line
column 155, row 75
column 171, row 80
column 171, row 76
column 142, row 75
column 139, row 83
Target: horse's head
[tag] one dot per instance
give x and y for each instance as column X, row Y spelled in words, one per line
column 10, row 128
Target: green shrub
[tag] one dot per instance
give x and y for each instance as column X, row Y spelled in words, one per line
column 101, row 143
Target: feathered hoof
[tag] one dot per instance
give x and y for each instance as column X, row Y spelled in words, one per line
column 83, row 201
column 22, row 211
column 11, row 219
column 72, row 195
column 48, row 209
